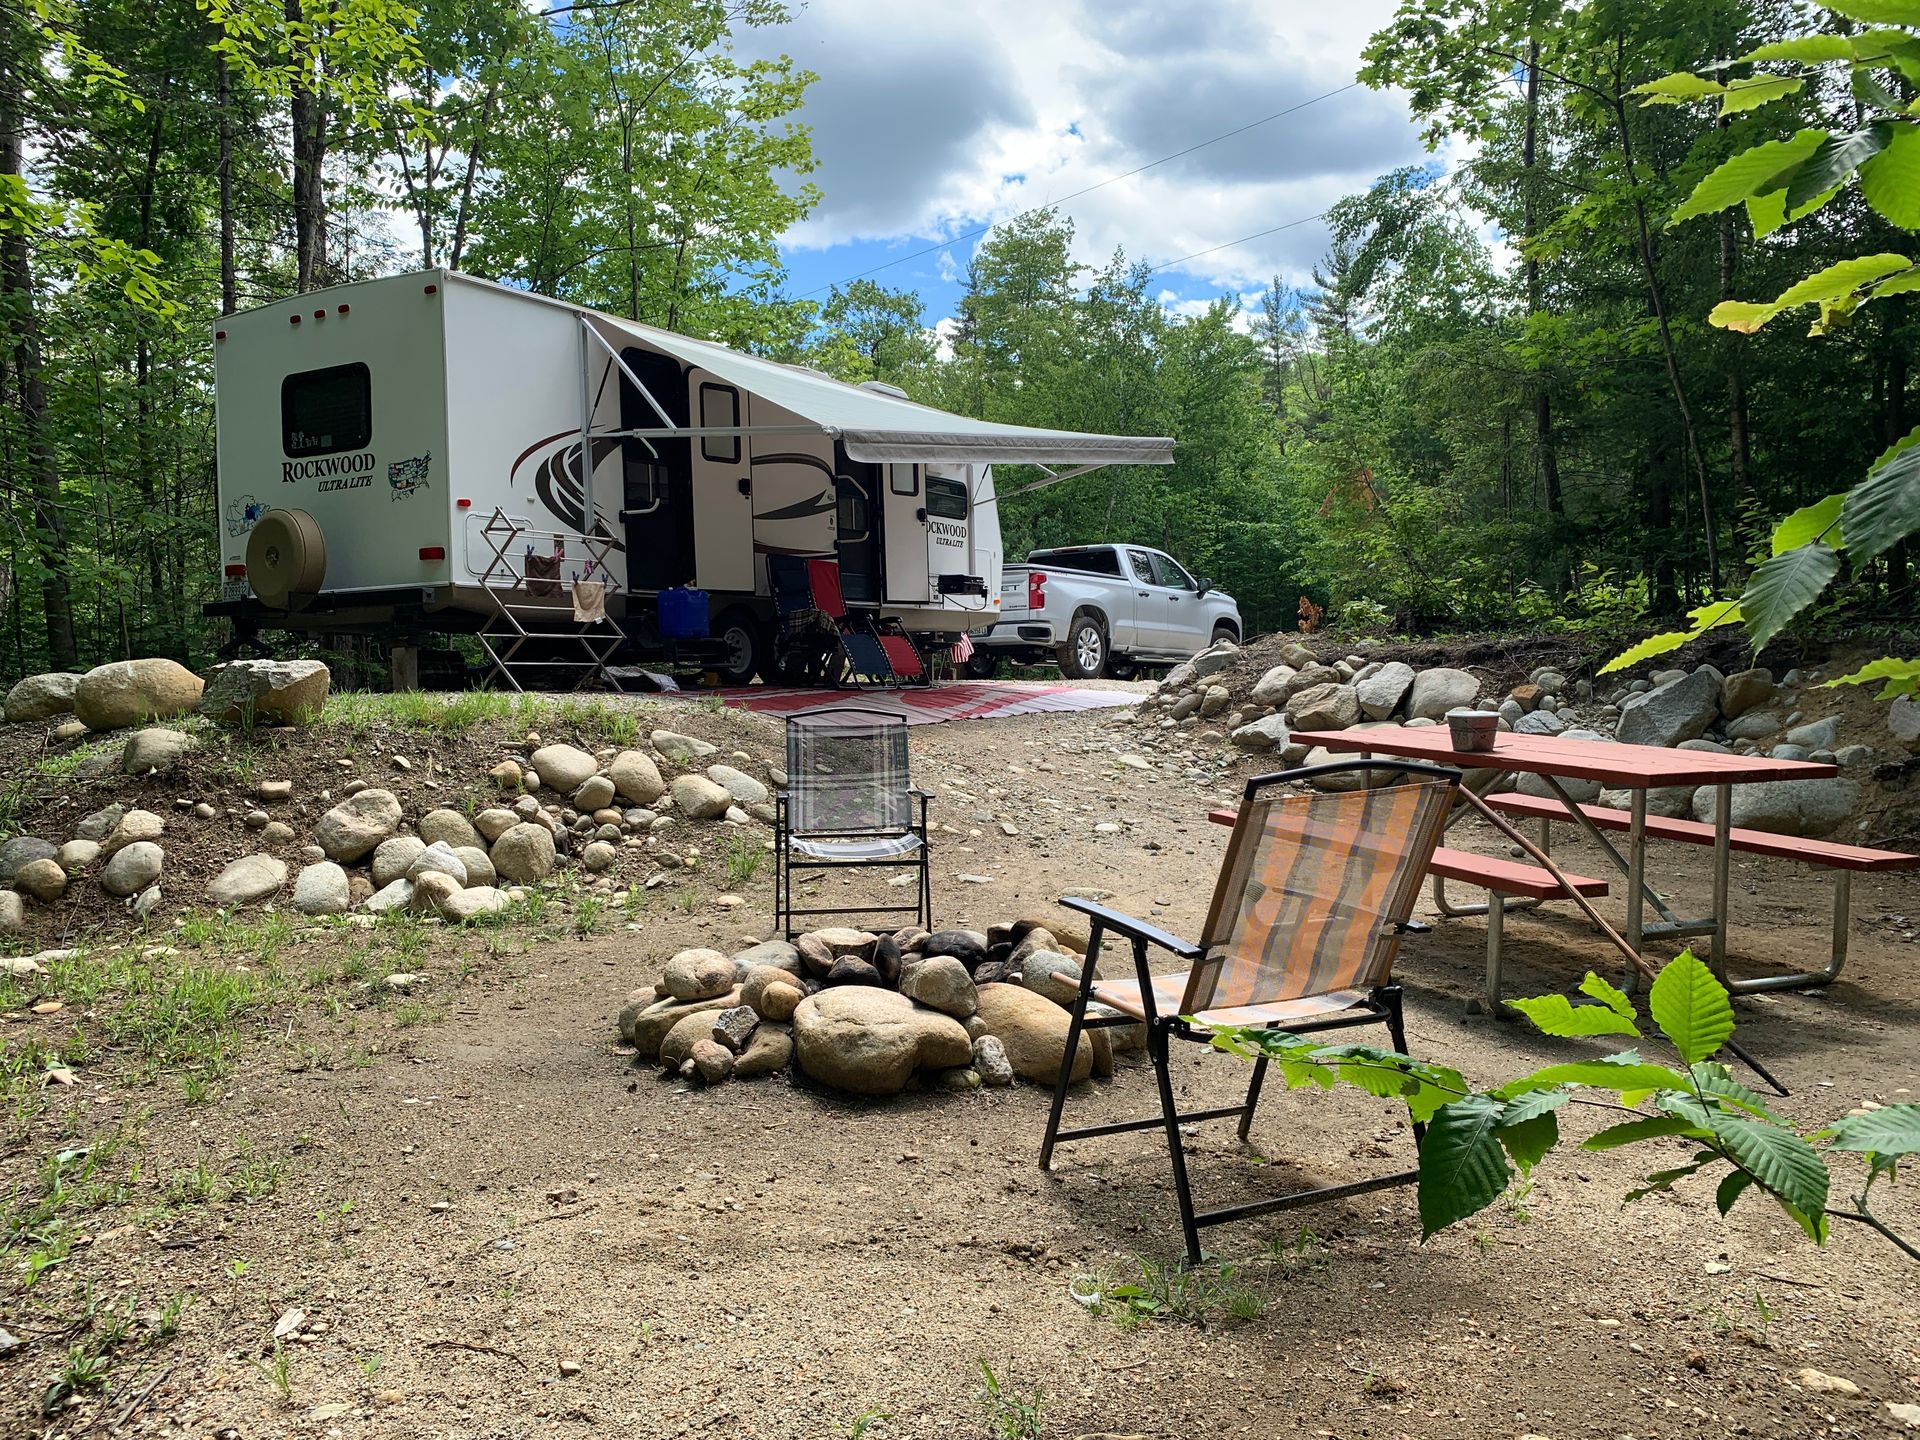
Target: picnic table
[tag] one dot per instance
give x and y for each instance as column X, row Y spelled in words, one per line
column 1633, row 768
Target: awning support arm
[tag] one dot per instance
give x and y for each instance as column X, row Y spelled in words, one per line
column 1054, row 477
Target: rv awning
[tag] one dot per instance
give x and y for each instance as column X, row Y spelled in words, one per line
column 876, row 427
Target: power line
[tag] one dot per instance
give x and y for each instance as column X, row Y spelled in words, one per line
column 1088, row 190
column 1228, row 245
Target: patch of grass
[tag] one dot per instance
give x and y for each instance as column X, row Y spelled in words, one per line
column 1172, row 1292
column 745, row 856
column 686, row 899
column 587, row 910
column 170, row 1011
column 455, row 713
column 1009, row 1413
column 277, row 1372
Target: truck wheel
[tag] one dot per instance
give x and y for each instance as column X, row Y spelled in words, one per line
column 1084, row 655
column 1122, row 667
column 744, row 640
column 982, row 665
column 1221, row 632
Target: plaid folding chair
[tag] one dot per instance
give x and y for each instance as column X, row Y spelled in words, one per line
column 1307, row 915
column 849, row 804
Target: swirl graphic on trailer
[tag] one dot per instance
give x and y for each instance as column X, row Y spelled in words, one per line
column 554, row 465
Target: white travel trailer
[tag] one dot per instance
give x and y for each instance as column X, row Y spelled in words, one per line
column 403, row 457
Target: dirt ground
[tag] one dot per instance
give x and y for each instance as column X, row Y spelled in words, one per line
column 497, row 1226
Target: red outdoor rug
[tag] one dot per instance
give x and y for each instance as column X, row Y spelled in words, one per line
column 957, row 700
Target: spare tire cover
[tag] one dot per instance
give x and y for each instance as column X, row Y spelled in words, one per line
column 286, row 558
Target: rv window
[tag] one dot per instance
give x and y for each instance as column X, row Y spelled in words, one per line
column 905, row 480
column 323, row 412
column 720, row 406
column 946, row 498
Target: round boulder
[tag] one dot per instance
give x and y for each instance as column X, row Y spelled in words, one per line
column 870, row 1041
column 41, row 697
column 493, row 822
column 131, row 826
column 1033, row 1031
column 473, row 902
column 698, row 974
column 322, row 889
column 744, row 789
column 133, row 868
column 357, row 824
column 127, row 692
column 448, row 827
column 438, row 859
column 250, row 878
column 941, row 983
column 698, row 798
column 564, row 767
column 636, row 777
column 44, row 879
column 598, row 856
column 969, row 947
column 393, row 858
column 525, row 854
column 478, row 863
column 21, row 849
column 595, row 793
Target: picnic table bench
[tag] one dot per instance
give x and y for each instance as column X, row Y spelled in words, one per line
column 1844, row 860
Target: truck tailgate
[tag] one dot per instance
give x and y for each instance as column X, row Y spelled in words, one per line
column 1013, row 591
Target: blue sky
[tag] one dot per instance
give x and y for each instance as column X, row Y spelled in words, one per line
column 931, row 119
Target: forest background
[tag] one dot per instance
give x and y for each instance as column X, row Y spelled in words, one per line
column 1498, row 404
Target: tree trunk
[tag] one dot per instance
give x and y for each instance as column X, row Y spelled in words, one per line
column 1894, row 425
column 1657, row 300
column 1546, row 443
column 23, row 345
column 229, row 279
column 306, row 114
column 1739, row 450
column 475, row 144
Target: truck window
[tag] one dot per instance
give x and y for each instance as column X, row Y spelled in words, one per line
column 1171, row 575
column 1142, row 567
column 324, row 412
column 1103, row 560
column 720, row 406
column 946, row 498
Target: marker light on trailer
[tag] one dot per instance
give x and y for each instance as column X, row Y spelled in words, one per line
column 463, row 503
column 235, row 572
column 433, row 552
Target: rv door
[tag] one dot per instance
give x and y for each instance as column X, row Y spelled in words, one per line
column 948, row 499
column 722, row 487
column 904, row 511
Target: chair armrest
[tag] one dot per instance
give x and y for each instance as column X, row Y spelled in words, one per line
column 923, row 794
column 1124, row 924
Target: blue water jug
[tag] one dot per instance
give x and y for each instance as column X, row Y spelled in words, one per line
column 683, row 614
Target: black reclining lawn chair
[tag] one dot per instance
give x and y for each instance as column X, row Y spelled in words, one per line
column 827, row 646
column 849, row 804
column 1314, row 895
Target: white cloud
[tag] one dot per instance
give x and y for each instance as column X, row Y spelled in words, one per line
column 931, row 119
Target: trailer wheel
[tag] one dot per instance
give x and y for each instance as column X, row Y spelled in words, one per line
column 1122, row 667
column 1084, row 655
column 982, row 665
column 745, row 643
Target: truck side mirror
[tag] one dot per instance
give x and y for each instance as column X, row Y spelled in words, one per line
column 1205, row 584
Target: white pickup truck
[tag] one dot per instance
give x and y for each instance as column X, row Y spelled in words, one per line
column 1102, row 610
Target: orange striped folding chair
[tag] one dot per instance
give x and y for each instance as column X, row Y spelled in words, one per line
column 1315, row 894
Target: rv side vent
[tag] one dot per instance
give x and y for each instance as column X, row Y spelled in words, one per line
column 881, row 387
